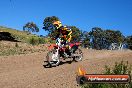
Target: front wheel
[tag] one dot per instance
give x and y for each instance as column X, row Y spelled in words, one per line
column 78, row 55
column 53, row 58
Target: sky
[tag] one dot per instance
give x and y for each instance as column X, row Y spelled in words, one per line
column 84, row 14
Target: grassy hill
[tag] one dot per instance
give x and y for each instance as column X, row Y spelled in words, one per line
column 24, row 42
column 18, row 35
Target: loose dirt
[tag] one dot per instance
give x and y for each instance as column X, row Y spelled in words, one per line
column 27, row 71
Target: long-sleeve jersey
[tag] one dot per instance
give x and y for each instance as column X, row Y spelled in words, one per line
column 62, row 32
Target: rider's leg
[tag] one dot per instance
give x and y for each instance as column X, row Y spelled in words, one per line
column 69, row 40
column 68, row 48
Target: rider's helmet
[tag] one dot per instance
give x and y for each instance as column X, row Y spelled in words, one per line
column 64, row 28
column 57, row 24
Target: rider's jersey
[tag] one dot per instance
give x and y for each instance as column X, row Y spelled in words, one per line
column 63, row 31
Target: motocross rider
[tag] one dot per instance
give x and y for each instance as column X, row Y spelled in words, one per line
column 64, row 31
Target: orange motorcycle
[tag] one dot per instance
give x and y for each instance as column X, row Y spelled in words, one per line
column 58, row 51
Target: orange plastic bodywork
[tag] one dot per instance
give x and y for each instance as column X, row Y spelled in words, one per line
column 78, row 43
column 52, row 46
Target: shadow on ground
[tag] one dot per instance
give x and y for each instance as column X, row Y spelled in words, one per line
column 47, row 65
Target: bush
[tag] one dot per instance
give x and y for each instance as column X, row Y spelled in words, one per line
column 36, row 40
column 41, row 41
column 11, row 51
column 16, row 45
column 119, row 68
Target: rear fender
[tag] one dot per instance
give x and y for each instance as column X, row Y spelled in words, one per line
column 77, row 43
column 74, row 44
column 74, row 48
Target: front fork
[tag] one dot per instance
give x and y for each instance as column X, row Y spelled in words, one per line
column 55, row 54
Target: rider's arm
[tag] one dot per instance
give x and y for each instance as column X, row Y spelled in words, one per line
column 69, row 31
column 69, row 35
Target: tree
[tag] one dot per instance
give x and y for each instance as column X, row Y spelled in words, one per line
column 30, row 27
column 102, row 39
column 48, row 26
column 128, row 40
column 75, row 33
column 97, row 36
column 85, row 39
column 114, row 36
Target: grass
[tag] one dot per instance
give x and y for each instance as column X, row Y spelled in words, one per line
column 33, row 43
column 25, row 37
column 31, row 40
column 36, row 40
column 17, row 49
column 18, row 35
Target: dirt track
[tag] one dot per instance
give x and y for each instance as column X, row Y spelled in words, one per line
column 27, row 71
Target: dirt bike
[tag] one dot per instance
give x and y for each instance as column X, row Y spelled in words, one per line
column 58, row 51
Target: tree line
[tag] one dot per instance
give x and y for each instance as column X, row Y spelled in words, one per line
column 97, row 38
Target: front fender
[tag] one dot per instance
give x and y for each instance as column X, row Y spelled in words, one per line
column 52, row 46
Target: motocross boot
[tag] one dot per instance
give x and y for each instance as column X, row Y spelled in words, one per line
column 68, row 50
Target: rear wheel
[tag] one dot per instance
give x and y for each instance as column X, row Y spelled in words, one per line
column 53, row 57
column 78, row 55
